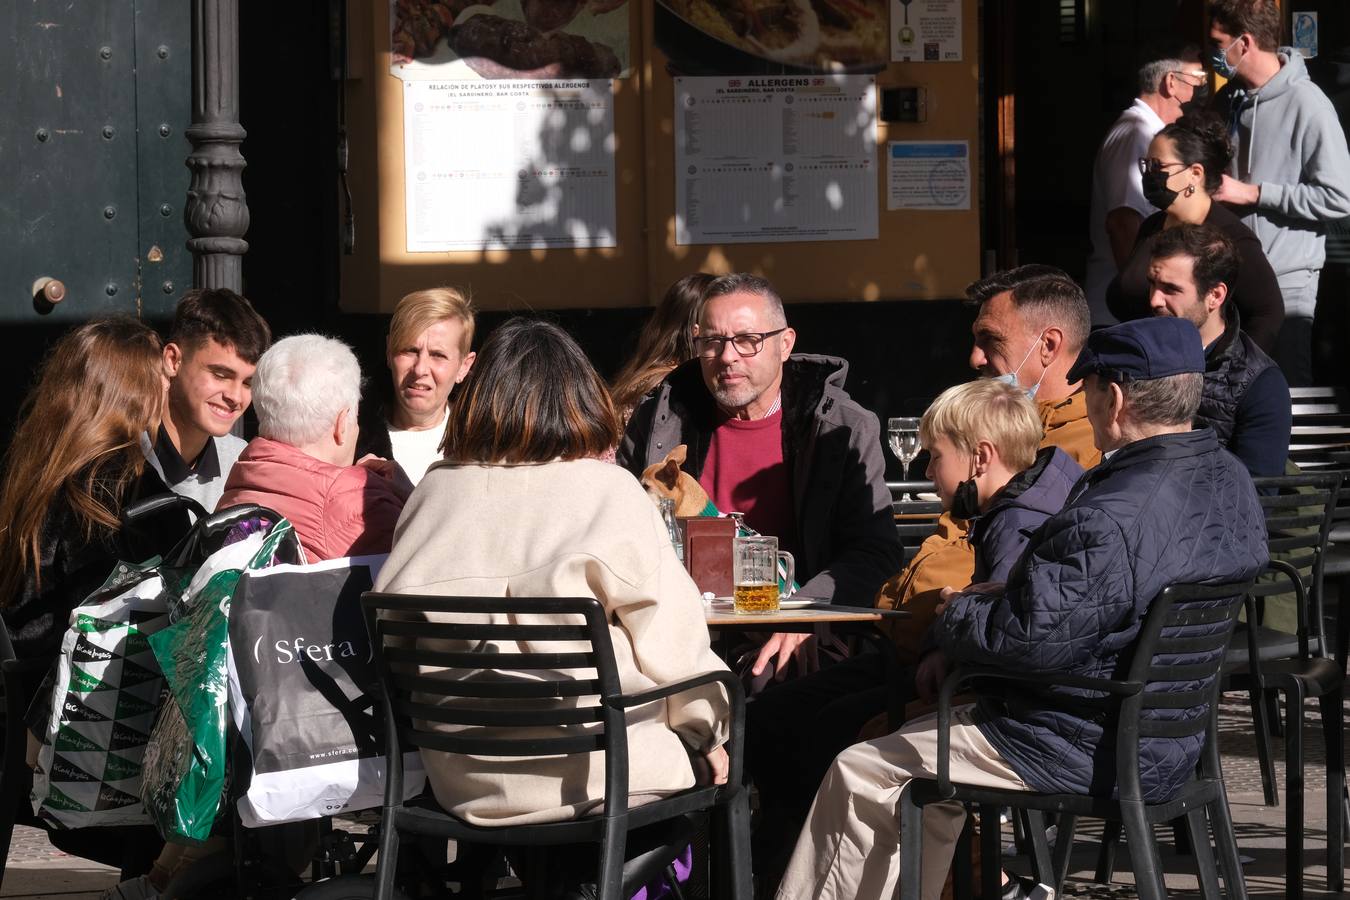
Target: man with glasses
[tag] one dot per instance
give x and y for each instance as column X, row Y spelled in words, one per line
column 1291, row 170
column 774, row 436
column 1170, row 78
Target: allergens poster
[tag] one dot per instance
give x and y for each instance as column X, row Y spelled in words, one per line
column 775, row 159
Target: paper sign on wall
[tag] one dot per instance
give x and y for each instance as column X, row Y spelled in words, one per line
column 775, row 159
column 517, row 165
column 926, row 30
column 928, row 175
column 1305, row 33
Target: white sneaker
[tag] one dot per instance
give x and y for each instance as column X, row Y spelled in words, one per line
column 133, row 889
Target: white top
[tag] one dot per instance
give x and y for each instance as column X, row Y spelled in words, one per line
column 416, row 450
column 1116, row 183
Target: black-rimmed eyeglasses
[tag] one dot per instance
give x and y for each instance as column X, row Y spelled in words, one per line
column 1153, row 164
column 746, row 344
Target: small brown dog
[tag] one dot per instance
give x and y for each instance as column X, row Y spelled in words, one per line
column 667, row 480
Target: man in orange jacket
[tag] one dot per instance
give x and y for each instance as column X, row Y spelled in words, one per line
column 1032, row 323
column 1033, row 320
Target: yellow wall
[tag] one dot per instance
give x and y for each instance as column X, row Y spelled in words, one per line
column 919, row 254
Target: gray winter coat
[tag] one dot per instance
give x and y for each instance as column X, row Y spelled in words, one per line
column 1289, row 141
column 832, row 447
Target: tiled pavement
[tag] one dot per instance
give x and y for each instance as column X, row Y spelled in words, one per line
column 36, row 869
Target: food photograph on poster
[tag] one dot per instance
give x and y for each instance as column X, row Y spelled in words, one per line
column 508, row 39
column 753, row 37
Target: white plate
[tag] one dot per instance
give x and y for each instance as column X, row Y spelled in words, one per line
column 728, row 602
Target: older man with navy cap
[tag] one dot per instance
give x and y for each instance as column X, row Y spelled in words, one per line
column 1167, row 505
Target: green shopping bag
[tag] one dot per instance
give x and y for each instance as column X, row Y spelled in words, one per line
column 185, row 762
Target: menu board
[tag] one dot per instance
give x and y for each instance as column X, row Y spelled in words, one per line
column 513, row 165
column 775, row 159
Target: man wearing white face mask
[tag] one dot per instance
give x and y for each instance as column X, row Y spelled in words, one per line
column 1033, row 320
column 1291, row 169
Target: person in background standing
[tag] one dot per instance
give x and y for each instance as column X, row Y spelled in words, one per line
column 1291, row 169
column 1183, row 169
column 1169, row 78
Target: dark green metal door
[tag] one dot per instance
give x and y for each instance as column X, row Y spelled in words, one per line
column 94, row 100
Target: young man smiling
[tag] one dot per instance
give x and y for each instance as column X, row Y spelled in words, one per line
column 213, row 348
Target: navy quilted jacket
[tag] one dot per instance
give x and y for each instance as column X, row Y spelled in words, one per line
column 1172, row 508
column 1000, row 534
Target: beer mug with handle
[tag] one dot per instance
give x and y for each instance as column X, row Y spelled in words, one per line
column 755, row 573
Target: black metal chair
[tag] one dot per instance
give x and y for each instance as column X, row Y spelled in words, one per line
column 1131, row 710
column 398, row 623
column 915, row 519
column 1319, row 441
column 1299, row 510
column 18, row 678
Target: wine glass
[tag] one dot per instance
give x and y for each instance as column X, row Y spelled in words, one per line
column 903, row 433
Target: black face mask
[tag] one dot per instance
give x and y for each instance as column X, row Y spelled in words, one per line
column 966, row 500
column 1199, row 101
column 1156, row 190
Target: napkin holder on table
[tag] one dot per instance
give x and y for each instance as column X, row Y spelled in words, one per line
column 708, row 549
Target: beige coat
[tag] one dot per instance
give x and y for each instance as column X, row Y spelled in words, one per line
column 563, row 529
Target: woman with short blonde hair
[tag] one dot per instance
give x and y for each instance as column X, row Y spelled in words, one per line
column 427, row 351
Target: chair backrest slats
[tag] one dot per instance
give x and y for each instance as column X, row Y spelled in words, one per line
column 915, row 519
column 506, row 718
column 503, row 689
column 1177, row 699
column 1177, row 657
column 467, row 746
column 501, row 661
column 1173, row 728
column 473, row 631
column 1176, row 673
column 452, row 710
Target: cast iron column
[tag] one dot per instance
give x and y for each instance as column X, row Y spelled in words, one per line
column 216, row 212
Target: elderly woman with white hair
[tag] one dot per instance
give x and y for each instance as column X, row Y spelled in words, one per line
column 306, row 392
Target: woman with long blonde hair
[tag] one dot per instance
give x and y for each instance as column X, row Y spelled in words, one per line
column 73, row 462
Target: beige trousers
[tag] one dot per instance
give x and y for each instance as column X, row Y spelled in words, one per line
column 849, row 848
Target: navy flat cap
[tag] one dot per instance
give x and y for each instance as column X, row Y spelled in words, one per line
column 1155, row 347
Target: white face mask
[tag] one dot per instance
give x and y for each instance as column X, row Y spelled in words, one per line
column 1011, row 377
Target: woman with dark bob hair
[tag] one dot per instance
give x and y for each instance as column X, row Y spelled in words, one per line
column 521, row 506
column 1183, row 169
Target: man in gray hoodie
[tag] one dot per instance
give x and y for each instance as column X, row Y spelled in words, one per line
column 1291, row 168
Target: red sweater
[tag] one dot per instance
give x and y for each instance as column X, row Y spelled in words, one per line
column 745, row 472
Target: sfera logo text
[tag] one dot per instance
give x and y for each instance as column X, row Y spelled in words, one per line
column 296, row 649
